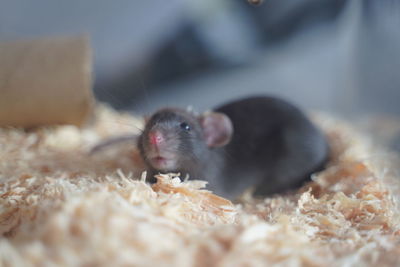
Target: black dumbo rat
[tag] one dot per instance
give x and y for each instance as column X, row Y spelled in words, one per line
column 261, row 142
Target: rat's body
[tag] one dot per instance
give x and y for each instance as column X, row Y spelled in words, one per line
column 260, row 142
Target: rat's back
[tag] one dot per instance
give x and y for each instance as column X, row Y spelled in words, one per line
column 275, row 147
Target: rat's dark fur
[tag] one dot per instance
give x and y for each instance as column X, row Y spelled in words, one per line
column 274, row 142
column 274, row 147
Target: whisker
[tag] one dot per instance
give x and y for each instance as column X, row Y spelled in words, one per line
column 128, row 124
column 112, row 141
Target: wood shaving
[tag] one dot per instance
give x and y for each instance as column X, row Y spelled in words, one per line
column 61, row 207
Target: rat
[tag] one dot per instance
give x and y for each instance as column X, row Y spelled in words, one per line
column 261, row 142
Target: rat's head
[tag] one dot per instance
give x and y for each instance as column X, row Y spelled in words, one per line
column 176, row 139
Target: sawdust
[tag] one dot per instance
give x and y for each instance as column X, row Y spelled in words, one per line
column 61, row 207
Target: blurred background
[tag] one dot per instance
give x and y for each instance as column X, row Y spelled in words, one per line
column 338, row 56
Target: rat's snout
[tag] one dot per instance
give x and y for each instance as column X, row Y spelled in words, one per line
column 156, row 137
column 158, row 150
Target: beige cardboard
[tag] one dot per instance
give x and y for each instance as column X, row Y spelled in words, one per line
column 46, row 81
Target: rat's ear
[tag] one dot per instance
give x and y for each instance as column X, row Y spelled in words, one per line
column 217, row 128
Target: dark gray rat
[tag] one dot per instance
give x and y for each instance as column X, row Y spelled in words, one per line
column 261, row 142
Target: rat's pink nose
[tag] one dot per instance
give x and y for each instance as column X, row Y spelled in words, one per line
column 156, row 137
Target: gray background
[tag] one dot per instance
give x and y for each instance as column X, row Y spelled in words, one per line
column 347, row 63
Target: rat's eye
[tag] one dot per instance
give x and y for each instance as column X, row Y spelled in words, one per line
column 185, row 126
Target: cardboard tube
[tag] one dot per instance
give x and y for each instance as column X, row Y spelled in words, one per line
column 46, row 81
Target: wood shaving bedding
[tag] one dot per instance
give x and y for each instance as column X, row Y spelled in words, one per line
column 61, row 207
